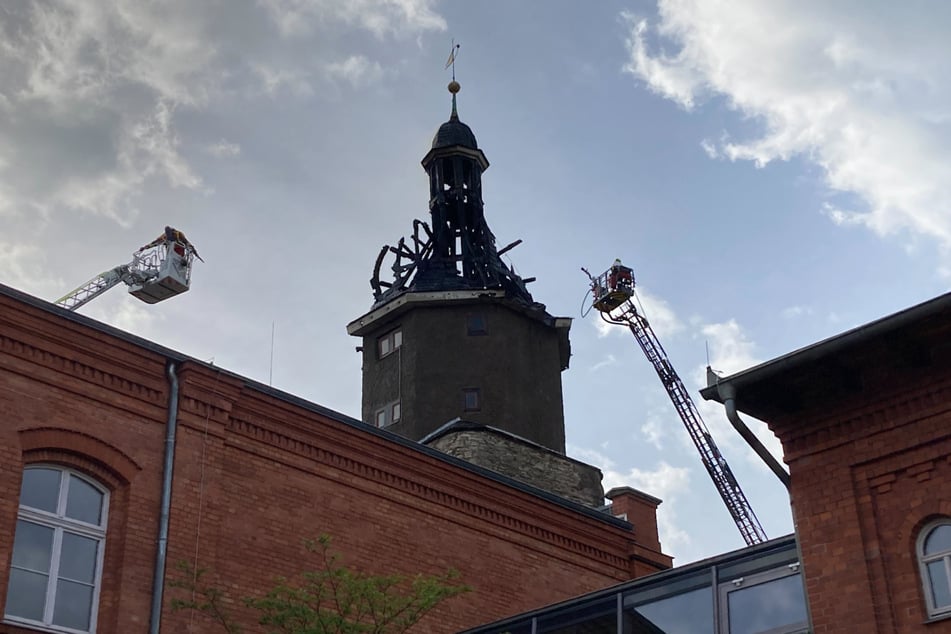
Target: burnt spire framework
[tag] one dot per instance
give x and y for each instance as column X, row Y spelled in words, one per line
column 455, row 250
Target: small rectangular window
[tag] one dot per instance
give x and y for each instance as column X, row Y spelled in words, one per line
column 472, row 401
column 475, row 324
column 390, row 342
column 388, row 414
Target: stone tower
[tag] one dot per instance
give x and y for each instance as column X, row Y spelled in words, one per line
column 456, row 334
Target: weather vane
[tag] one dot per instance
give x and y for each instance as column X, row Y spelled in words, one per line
column 453, row 52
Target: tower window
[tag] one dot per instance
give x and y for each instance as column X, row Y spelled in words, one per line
column 390, row 342
column 934, row 559
column 471, row 399
column 475, row 324
column 388, row 414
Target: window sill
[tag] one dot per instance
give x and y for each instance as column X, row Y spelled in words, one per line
column 937, row 618
column 33, row 626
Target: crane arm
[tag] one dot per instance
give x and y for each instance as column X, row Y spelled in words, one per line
column 94, row 287
column 714, row 462
column 159, row 270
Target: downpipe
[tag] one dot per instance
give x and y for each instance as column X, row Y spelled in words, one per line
column 728, row 393
column 171, row 426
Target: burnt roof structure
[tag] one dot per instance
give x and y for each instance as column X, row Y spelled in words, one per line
column 455, row 249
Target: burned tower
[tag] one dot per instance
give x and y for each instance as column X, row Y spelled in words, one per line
column 455, row 333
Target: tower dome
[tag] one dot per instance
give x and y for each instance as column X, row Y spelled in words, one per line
column 454, row 131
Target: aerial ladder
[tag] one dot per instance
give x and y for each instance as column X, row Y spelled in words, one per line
column 159, row 270
column 612, row 294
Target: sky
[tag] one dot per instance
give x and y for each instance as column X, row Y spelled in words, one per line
column 775, row 173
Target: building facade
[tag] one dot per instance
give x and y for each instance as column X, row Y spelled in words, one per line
column 865, row 423
column 86, row 413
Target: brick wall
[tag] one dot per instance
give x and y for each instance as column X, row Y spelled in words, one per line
column 256, row 472
column 867, row 473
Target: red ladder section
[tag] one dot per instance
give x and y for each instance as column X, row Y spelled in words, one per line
column 713, row 460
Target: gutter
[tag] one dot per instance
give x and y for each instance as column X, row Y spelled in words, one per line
column 727, row 395
column 844, row 341
column 158, row 579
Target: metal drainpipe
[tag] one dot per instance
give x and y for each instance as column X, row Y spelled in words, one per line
column 728, row 393
column 158, row 579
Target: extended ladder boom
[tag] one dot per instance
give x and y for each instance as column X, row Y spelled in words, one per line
column 714, row 462
column 611, row 296
column 93, row 288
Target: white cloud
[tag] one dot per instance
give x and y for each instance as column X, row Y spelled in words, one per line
column 92, row 93
column 24, row 266
column 356, row 69
column 380, row 17
column 654, row 428
column 666, row 482
column 731, row 351
column 224, row 149
column 709, row 148
column 862, row 93
column 274, row 80
column 793, row 312
column 608, row 361
column 89, row 92
column 664, row 322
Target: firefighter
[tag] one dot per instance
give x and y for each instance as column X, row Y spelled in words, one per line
column 172, row 235
column 620, row 276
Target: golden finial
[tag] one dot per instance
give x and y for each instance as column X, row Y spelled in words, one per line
column 454, row 86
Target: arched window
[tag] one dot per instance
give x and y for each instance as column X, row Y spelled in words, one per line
column 56, row 568
column 934, row 555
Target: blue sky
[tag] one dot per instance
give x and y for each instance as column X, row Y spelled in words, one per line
column 775, row 173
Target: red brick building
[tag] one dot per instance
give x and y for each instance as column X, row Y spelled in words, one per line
column 865, row 422
column 86, row 411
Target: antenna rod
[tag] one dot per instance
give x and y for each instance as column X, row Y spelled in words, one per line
column 270, row 372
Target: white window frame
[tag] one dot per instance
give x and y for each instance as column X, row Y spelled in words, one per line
column 389, row 343
column 388, row 414
column 934, row 612
column 60, row 524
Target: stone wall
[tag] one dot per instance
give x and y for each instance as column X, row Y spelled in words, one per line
column 523, row 460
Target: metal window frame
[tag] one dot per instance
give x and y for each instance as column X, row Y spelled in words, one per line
column 60, row 524
column 934, row 612
column 480, row 331
column 466, row 391
column 740, row 583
